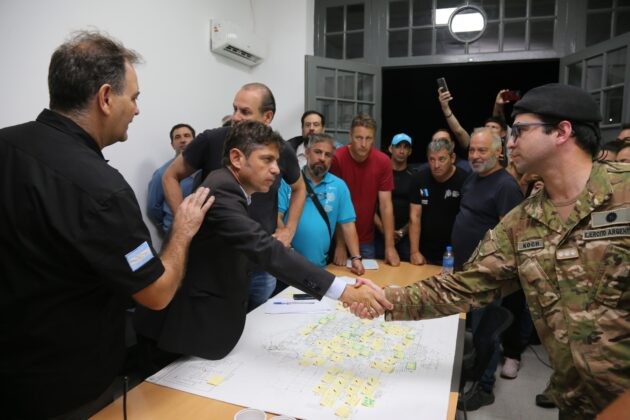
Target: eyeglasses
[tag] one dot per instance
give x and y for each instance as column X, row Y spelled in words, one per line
column 518, row 128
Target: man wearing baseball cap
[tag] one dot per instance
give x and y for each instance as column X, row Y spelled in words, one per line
column 400, row 150
column 566, row 246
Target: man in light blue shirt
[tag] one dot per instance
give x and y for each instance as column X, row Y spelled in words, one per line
column 313, row 234
column 157, row 209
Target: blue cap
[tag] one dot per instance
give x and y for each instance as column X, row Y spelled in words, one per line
column 401, row 137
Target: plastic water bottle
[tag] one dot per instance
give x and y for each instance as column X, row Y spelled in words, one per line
column 448, row 260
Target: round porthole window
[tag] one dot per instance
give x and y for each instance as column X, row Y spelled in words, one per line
column 467, row 23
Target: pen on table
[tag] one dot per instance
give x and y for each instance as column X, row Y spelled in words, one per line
column 293, row 303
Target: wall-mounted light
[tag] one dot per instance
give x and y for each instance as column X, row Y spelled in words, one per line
column 467, row 23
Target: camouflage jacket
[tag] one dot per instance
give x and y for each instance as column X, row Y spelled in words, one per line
column 575, row 276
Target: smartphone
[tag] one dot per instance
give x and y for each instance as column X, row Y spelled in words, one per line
column 511, row 95
column 441, row 82
column 302, row 296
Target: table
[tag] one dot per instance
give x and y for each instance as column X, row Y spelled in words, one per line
column 149, row 401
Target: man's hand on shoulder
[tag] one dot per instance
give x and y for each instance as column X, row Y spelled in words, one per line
column 191, row 212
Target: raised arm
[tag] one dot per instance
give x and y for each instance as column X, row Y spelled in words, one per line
column 176, row 171
column 463, row 138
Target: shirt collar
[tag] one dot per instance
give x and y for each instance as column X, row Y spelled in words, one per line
column 66, row 125
column 595, row 194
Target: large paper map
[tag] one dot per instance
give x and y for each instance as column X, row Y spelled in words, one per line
column 329, row 366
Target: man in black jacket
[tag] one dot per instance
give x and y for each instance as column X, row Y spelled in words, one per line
column 207, row 316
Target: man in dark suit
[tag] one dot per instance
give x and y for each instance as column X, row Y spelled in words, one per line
column 207, row 316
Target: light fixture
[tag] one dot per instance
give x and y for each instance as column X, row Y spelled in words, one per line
column 467, row 23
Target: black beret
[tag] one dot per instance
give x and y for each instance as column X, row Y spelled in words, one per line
column 559, row 101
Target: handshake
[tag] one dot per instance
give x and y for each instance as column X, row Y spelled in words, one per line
column 365, row 299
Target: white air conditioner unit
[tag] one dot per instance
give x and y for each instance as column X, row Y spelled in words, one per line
column 233, row 42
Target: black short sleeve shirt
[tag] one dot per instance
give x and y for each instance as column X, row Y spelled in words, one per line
column 74, row 248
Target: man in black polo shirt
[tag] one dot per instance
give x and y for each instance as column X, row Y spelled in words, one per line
column 252, row 102
column 74, row 246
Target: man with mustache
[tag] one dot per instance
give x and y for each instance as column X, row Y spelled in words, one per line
column 315, row 229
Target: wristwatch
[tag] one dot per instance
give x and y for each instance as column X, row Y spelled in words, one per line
column 356, row 257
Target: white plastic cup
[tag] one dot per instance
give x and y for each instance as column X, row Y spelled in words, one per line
column 250, row 414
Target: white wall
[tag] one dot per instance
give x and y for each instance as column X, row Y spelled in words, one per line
column 180, row 81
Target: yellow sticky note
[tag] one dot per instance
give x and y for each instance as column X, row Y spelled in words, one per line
column 216, row 380
column 333, row 370
column 319, row 389
column 318, row 361
column 327, row 400
column 328, row 378
column 336, row 358
column 343, row 411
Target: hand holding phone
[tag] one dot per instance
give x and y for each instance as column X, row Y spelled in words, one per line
column 511, row 95
column 441, row 82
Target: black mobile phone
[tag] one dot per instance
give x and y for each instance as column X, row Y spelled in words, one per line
column 302, row 296
column 441, row 82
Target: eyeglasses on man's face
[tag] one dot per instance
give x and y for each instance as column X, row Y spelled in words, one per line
column 517, row 128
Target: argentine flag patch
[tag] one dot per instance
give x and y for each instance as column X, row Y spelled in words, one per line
column 139, row 256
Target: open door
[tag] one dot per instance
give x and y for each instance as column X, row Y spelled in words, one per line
column 341, row 89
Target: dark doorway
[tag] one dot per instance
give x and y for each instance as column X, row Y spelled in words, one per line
column 410, row 100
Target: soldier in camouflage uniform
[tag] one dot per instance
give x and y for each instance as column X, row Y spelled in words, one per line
column 567, row 247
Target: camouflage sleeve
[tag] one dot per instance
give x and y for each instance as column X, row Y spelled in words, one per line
column 490, row 273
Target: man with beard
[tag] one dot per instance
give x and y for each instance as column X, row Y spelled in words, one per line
column 488, row 194
column 328, row 203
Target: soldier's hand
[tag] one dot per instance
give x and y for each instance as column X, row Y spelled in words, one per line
column 368, row 297
column 192, row 211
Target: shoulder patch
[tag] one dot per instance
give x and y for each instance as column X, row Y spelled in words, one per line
column 139, row 256
column 619, row 216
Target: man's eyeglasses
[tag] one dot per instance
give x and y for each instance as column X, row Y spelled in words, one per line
column 518, row 128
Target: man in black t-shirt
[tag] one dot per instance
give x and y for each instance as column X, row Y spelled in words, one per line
column 253, row 102
column 400, row 150
column 434, row 198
